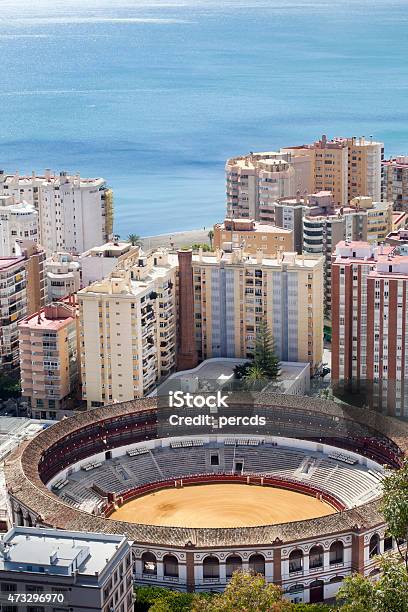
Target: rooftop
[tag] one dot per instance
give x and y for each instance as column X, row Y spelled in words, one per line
column 237, row 257
column 51, row 318
column 9, row 262
column 53, row 551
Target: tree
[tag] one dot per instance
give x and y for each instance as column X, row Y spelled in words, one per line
column 247, row 593
column 134, row 239
column 241, row 370
column 394, row 506
column 255, row 378
column 387, row 594
column 265, row 357
column 9, row 387
column 211, row 238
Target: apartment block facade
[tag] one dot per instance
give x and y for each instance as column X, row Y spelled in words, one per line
column 395, row 182
column 22, row 292
column 97, row 263
column 63, row 276
column 128, row 329
column 369, row 318
column 75, row 214
column 235, row 292
column 18, row 222
column 348, row 167
column 49, row 364
column 252, row 236
column 255, row 181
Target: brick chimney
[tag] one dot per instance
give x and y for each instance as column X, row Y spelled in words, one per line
column 187, row 357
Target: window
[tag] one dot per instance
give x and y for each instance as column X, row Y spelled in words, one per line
column 149, row 564
column 233, row 564
column 211, row 567
column 295, row 561
column 170, row 564
column 316, row 557
column 7, row 587
column 374, row 546
column 257, row 564
column 336, row 553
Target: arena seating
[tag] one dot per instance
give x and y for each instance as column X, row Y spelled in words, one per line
column 347, row 480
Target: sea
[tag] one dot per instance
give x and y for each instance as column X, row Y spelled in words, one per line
column 155, row 95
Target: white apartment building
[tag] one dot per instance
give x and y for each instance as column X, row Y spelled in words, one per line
column 18, row 222
column 85, row 572
column 63, row 276
column 75, row 213
column 100, row 261
column 128, row 329
column 235, row 292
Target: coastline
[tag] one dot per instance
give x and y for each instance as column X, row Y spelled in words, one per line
column 176, row 239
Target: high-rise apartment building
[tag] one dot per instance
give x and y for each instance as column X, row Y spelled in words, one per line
column 18, row 221
column 252, row 236
column 75, row 214
column 22, row 292
column 235, row 292
column 369, row 322
column 128, row 329
column 348, row 167
column 49, row 363
column 395, row 182
column 83, row 572
column 255, row 181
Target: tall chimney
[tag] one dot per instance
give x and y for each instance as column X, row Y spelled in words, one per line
column 187, row 357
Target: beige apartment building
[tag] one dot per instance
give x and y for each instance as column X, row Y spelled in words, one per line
column 255, row 181
column 368, row 220
column 235, row 292
column 49, row 366
column 348, row 167
column 128, row 329
column 395, row 182
column 252, row 236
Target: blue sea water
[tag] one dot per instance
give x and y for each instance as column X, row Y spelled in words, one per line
column 155, row 95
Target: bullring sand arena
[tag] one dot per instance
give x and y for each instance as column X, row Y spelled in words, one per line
column 221, row 505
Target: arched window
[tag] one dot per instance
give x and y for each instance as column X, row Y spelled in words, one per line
column 296, row 588
column 336, row 553
column 336, row 579
column 295, row 561
column 316, row 557
column 149, row 564
column 233, row 564
column 257, row 564
column 211, row 567
column 374, row 546
column 388, row 542
column 170, row 564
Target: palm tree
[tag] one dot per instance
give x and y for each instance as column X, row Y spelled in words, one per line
column 211, row 238
column 134, row 239
column 256, row 377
